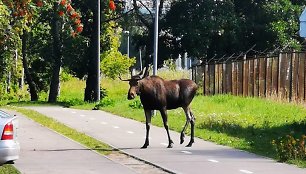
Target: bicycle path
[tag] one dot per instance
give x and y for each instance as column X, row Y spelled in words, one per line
column 128, row 136
column 43, row 151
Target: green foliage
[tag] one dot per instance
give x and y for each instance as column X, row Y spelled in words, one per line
column 103, row 93
column 283, row 16
column 72, row 102
column 136, row 104
column 290, row 148
column 65, row 76
column 113, row 62
column 14, row 94
column 8, row 169
column 104, row 103
column 207, row 28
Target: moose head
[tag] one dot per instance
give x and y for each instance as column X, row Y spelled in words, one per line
column 134, row 83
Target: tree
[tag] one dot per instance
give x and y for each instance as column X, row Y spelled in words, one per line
column 209, row 28
column 113, row 62
column 283, row 22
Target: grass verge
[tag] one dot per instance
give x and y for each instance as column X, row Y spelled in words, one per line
column 60, row 128
column 8, row 169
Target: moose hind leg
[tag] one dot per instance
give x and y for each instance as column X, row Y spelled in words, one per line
column 188, row 118
column 148, row 114
column 165, row 120
column 192, row 122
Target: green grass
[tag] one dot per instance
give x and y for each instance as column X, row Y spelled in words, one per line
column 8, row 169
column 250, row 124
column 83, row 139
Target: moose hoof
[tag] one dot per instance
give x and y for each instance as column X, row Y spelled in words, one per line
column 190, row 144
column 170, row 145
column 145, row 145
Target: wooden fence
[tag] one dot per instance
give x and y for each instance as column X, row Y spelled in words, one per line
column 281, row 76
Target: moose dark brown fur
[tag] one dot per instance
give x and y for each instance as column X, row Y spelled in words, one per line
column 159, row 94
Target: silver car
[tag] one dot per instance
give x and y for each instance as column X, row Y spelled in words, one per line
column 9, row 145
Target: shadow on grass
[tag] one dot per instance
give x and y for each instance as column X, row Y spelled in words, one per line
column 259, row 139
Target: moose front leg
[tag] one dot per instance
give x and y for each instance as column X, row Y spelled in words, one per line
column 163, row 113
column 148, row 114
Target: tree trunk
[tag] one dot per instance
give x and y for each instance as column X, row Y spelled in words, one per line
column 57, row 55
column 29, row 79
column 92, row 82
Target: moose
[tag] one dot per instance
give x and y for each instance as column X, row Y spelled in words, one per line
column 159, row 94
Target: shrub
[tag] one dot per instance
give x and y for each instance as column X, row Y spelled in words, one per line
column 136, row 104
column 104, row 102
column 65, row 76
column 290, row 148
column 72, row 102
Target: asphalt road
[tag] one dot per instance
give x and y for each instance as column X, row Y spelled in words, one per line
column 46, row 152
column 128, row 135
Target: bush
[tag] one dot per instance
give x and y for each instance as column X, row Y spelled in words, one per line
column 65, row 76
column 290, row 148
column 104, row 102
column 136, row 105
column 72, row 102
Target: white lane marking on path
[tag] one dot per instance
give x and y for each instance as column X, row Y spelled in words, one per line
column 82, row 115
column 73, row 112
column 129, row 132
column 186, row 152
column 213, row 161
column 104, row 123
column 92, row 118
column 246, row 171
column 116, row 127
column 164, row 144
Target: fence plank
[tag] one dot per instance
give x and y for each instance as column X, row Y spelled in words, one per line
column 220, row 66
column 212, row 79
column 282, row 75
column 234, row 78
column 288, row 83
column 245, row 77
column 216, row 79
column 240, row 78
column 256, row 77
column 262, row 76
column 251, row 78
column 301, row 77
column 294, row 75
column 269, row 76
column 275, row 73
column 228, row 78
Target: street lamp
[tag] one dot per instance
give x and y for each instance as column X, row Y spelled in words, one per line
column 155, row 38
column 128, row 42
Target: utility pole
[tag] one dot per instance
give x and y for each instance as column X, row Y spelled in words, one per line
column 98, row 24
column 155, row 38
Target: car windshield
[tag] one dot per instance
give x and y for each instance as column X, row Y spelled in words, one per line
column 4, row 114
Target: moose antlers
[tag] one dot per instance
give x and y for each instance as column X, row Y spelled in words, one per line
column 144, row 73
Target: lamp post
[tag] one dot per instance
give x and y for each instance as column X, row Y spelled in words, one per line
column 128, row 42
column 155, row 38
column 98, row 52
